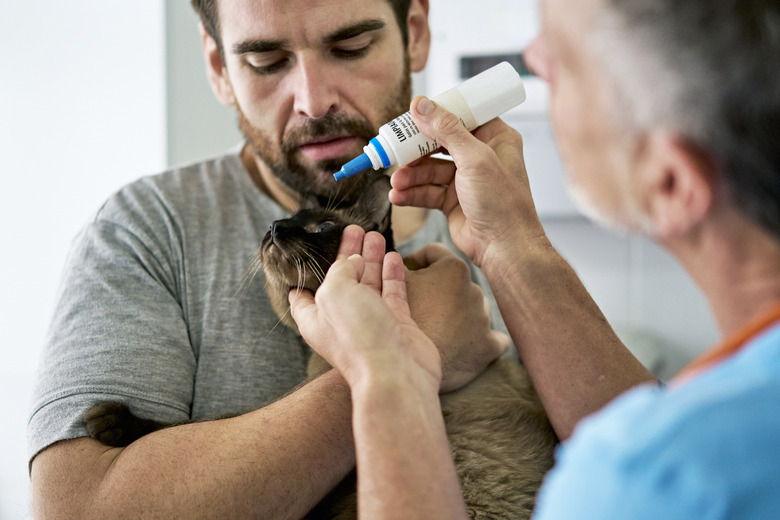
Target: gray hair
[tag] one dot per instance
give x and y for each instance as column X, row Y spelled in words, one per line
column 709, row 71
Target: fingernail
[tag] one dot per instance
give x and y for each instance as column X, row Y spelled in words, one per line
column 424, row 106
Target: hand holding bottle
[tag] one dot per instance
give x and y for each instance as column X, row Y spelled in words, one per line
column 484, row 193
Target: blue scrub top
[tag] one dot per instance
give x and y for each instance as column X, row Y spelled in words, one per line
column 708, row 449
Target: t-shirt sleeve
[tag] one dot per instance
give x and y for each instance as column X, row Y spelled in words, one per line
column 118, row 333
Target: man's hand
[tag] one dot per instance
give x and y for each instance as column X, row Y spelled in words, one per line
column 453, row 311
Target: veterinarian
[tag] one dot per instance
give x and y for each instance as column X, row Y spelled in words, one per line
column 152, row 313
column 668, row 117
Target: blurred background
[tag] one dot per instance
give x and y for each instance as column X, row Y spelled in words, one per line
column 96, row 93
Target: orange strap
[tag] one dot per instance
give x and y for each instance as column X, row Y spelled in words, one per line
column 730, row 345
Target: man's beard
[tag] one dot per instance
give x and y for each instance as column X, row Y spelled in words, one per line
column 284, row 160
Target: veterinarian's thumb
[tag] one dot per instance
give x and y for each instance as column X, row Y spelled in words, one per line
column 443, row 126
column 302, row 306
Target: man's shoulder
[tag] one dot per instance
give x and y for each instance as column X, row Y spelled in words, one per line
column 182, row 188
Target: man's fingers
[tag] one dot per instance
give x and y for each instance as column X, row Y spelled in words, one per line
column 427, row 256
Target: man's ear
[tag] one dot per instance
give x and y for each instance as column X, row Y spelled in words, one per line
column 680, row 184
column 215, row 69
column 419, row 35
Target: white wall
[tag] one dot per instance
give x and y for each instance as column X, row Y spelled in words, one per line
column 199, row 126
column 82, row 111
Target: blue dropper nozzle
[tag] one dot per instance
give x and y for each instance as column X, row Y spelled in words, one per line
column 356, row 165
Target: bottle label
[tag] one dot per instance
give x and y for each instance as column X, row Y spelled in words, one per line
column 403, row 127
column 406, row 141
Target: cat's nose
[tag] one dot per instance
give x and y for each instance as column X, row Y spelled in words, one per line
column 279, row 226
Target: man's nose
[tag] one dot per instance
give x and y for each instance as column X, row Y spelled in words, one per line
column 316, row 88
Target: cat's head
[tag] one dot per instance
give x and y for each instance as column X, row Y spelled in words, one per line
column 297, row 251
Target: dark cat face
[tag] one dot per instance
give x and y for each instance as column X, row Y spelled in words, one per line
column 297, row 251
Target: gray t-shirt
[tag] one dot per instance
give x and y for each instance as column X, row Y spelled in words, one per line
column 152, row 312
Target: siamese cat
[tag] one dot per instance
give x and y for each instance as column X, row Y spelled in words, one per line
column 501, row 440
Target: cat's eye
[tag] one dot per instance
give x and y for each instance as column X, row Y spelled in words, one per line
column 326, row 226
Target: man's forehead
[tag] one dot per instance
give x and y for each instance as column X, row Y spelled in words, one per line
column 296, row 19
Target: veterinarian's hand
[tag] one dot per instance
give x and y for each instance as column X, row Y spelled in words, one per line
column 484, row 193
column 359, row 320
column 453, row 311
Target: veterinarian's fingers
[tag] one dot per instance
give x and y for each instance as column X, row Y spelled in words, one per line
column 394, row 285
column 429, row 170
column 373, row 254
column 426, row 170
column 423, row 184
column 351, row 242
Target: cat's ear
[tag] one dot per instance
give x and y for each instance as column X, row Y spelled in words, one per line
column 309, row 201
column 376, row 204
column 374, row 201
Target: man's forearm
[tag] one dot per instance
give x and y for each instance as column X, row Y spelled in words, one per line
column 276, row 462
column 575, row 360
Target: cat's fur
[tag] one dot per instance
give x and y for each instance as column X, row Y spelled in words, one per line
column 500, row 437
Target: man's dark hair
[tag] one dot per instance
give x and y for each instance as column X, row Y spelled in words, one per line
column 209, row 15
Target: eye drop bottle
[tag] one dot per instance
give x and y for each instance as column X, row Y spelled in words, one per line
column 475, row 101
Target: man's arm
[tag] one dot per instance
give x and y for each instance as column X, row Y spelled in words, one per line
column 276, row 462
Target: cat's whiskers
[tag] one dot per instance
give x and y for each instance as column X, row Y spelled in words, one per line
column 251, row 270
column 280, row 321
column 318, row 271
column 335, row 203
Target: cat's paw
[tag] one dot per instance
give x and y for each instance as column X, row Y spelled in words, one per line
column 112, row 424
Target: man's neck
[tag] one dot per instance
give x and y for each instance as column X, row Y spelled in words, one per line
column 406, row 220
column 736, row 264
column 268, row 183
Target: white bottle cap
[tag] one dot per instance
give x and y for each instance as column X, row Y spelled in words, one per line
column 492, row 92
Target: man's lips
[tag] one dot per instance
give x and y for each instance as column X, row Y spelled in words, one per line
column 330, row 148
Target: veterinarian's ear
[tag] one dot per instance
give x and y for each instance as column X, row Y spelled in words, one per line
column 680, row 185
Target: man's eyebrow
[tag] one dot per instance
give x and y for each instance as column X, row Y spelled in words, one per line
column 353, row 30
column 345, row 33
column 248, row 46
